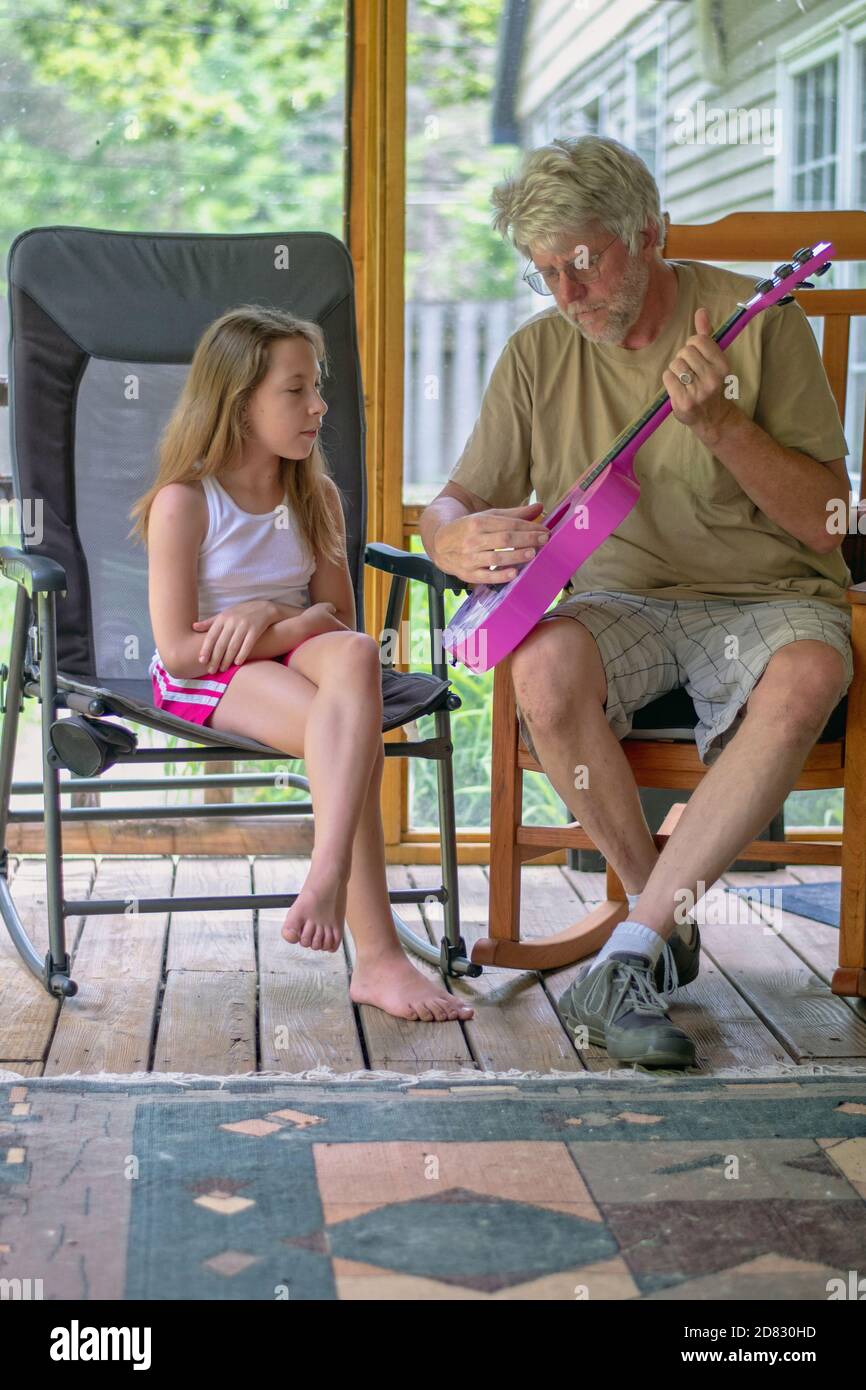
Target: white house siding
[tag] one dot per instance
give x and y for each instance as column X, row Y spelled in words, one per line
column 571, row 49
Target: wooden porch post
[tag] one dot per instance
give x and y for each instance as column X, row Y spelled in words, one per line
column 375, row 235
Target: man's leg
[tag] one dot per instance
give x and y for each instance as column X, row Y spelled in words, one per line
column 785, row 713
column 614, row 1000
column 561, row 689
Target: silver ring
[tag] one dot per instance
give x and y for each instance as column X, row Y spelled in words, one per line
column 686, row 378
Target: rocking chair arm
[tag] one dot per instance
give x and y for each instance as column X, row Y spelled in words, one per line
column 36, row 573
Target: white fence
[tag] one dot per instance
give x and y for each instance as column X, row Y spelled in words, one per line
column 450, row 351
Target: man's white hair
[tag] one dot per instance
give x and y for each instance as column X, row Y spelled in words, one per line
column 560, row 187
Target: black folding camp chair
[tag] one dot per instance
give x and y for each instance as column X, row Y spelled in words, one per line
column 103, row 327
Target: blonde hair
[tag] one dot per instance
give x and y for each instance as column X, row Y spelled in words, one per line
column 572, row 181
column 205, row 431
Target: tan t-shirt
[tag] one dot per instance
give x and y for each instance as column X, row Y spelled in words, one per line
column 555, row 403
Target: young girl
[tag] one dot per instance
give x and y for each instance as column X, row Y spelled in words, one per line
column 253, row 613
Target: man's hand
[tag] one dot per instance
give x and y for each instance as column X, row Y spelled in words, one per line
column 231, row 635
column 701, row 404
column 468, row 546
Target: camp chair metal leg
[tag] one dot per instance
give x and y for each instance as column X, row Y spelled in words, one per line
column 453, row 952
column 450, row 955
column 53, row 971
column 11, row 706
column 57, row 964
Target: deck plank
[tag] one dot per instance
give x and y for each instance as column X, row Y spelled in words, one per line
column 28, row 1014
column 207, row 1022
column 762, row 998
column 515, row 1024
column 397, row 1044
column 213, row 940
column 306, row 1018
column 24, row 1068
column 108, row 1025
column 128, row 944
column 794, row 1002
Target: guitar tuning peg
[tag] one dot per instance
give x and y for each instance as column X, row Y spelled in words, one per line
column 805, row 285
column 786, row 299
column 822, row 270
column 802, row 255
column 782, row 270
column 763, row 286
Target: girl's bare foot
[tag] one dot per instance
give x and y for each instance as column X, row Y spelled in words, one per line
column 393, row 984
column 317, row 916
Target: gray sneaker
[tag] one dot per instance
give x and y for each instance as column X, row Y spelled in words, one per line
column 620, row 1009
column 679, row 961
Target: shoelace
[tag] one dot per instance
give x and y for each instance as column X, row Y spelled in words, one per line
column 624, row 982
column 670, row 974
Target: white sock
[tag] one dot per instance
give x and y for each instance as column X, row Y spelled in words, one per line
column 686, row 929
column 634, row 938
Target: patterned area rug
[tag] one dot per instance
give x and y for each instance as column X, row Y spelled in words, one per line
column 264, row 1189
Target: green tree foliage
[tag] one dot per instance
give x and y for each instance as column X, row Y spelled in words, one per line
column 140, row 114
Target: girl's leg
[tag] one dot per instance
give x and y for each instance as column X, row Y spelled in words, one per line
column 342, row 734
column 383, row 973
column 273, row 703
column 336, row 730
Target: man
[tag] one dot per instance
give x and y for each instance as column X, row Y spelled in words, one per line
column 725, row 578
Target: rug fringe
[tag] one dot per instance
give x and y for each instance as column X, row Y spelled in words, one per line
column 327, row 1074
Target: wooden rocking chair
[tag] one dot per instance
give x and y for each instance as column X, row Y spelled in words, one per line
column 667, row 758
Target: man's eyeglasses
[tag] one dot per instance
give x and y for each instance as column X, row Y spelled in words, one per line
column 545, row 281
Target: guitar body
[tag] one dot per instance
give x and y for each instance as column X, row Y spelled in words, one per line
column 491, row 628
column 497, row 617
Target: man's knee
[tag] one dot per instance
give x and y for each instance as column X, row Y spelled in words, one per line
column 800, row 686
column 556, row 669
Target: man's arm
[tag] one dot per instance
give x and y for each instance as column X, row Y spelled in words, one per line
column 791, row 488
column 470, row 551
column 452, row 502
column 789, row 485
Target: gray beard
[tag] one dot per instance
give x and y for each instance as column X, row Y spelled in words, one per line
column 623, row 309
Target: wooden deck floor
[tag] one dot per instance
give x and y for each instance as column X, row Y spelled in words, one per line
column 225, row 994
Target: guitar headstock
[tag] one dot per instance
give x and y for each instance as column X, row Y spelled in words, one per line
column 791, row 275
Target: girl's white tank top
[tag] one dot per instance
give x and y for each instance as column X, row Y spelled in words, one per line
column 245, row 555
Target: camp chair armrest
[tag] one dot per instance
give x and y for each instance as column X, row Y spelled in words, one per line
column 36, row 573
column 402, row 562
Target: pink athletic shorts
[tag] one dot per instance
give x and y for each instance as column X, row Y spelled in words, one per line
column 196, row 699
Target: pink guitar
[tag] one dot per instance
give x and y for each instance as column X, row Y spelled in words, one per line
column 496, row 618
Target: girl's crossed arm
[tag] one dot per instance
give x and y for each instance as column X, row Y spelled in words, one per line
column 266, row 627
column 258, row 628
column 177, row 526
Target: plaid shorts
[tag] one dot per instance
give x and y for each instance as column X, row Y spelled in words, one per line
column 649, row 646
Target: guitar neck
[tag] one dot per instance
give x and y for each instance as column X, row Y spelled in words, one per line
column 635, row 434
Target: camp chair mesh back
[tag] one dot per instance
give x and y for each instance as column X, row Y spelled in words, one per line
column 103, row 327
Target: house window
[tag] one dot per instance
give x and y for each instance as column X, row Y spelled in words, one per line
column 813, row 173
column 860, row 131
column 579, row 117
column 647, row 109
column 822, row 86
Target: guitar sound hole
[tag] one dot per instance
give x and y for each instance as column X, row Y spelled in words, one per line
column 560, row 512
